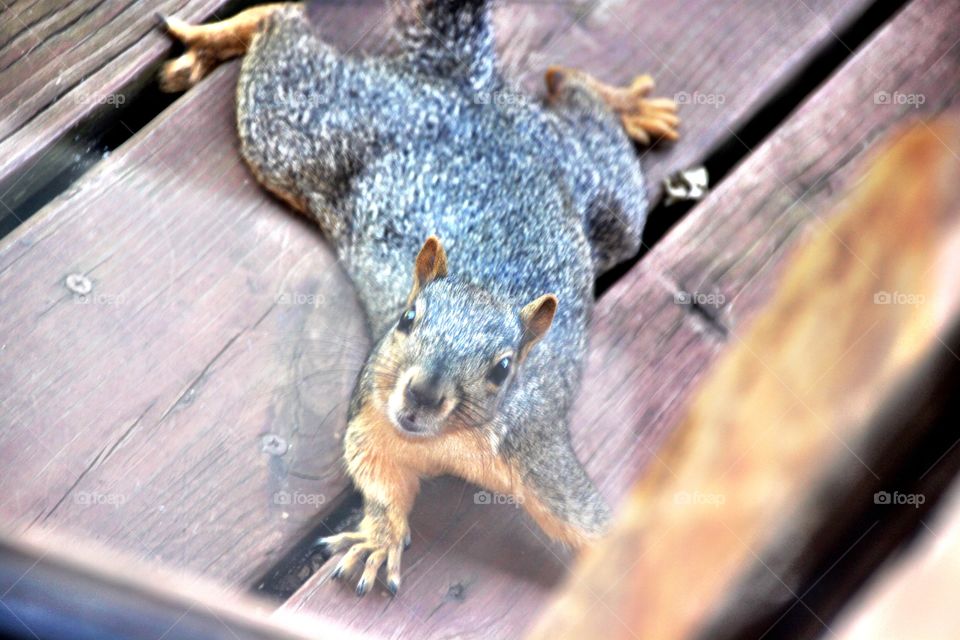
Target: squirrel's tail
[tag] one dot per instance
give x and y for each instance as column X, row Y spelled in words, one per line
column 450, row 38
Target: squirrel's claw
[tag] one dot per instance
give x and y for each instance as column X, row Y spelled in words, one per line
column 643, row 118
column 362, row 588
column 372, row 555
column 184, row 72
column 209, row 44
column 371, row 568
column 393, row 567
column 337, row 543
column 352, row 558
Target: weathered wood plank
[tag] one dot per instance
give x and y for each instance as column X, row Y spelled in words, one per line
column 142, row 412
column 721, row 60
column 648, row 352
column 799, row 427
column 465, row 561
column 727, row 253
column 63, row 63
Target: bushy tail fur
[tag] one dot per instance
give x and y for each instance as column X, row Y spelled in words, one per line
column 451, row 39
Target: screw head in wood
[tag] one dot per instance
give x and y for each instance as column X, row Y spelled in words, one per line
column 79, row 284
column 273, row 444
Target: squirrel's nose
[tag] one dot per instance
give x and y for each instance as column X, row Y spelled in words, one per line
column 424, row 395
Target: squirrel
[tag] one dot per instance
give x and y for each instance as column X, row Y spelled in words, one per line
column 478, row 357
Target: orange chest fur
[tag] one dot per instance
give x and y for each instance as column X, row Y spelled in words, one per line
column 468, row 454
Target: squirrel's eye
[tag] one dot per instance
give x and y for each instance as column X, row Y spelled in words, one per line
column 498, row 374
column 406, row 320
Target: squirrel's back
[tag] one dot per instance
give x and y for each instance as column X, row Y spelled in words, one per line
column 480, row 167
column 484, row 182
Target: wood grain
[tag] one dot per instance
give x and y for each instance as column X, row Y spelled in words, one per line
column 66, row 63
column 648, row 353
column 798, row 425
column 189, row 407
column 728, row 252
column 721, row 60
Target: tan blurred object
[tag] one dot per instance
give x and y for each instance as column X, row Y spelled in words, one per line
column 791, row 429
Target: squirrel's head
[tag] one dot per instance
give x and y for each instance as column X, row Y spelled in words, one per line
column 454, row 350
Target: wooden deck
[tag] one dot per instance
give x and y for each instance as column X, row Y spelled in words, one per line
column 177, row 348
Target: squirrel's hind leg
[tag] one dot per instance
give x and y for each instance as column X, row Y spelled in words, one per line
column 644, row 119
column 595, row 125
column 210, row 44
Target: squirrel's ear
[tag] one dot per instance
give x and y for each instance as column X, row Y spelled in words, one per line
column 536, row 318
column 431, row 264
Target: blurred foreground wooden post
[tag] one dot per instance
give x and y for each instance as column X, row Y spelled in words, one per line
column 801, row 423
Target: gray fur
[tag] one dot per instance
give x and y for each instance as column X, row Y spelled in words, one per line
column 527, row 199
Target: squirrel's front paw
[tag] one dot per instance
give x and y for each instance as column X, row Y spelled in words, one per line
column 371, row 546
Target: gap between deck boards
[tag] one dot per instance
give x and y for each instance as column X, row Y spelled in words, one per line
column 767, row 118
column 88, row 141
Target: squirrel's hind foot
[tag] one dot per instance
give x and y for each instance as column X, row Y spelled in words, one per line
column 644, row 119
column 207, row 45
column 197, row 61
